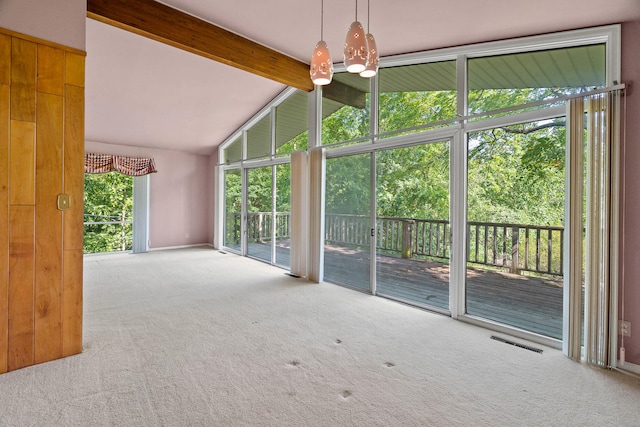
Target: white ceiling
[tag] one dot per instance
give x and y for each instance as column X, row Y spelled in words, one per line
column 142, row 93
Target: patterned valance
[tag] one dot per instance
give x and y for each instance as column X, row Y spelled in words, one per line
column 132, row 166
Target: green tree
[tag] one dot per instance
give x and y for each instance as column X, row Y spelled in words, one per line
column 347, row 185
column 516, row 174
column 413, row 182
column 108, row 197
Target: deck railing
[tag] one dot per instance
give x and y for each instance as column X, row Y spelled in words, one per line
column 117, row 227
column 258, row 226
column 516, row 247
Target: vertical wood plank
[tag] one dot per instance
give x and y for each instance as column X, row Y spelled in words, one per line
column 72, row 303
column 23, row 80
column 51, row 74
column 48, row 264
column 4, row 224
column 21, row 287
column 22, row 163
column 72, row 296
column 74, row 69
column 74, row 167
column 5, row 59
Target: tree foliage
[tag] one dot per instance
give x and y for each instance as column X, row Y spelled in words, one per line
column 515, row 173
column 108, row 197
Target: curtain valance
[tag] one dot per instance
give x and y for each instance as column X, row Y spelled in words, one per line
column 132, row 166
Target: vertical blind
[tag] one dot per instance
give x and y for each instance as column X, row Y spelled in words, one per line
column 600, row 114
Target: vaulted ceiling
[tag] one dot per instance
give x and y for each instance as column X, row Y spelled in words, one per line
column 142, row 92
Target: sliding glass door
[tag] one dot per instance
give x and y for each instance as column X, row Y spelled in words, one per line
column 232, row 234
column 260, row 212
column 267, row 230
column 515, row 234
column 283, row 215
column 347, row 246
column 412, row 225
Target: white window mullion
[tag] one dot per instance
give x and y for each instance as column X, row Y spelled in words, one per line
column 374, row 224
column 458, row 197
column 373, row 126
column 273, row 184
column 457, row 224
column 244, row 210
column 273, row 214
column 219, row 207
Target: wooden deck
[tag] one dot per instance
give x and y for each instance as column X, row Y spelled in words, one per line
column 530, row 303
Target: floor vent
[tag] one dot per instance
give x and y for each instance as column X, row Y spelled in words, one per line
column 526, row 347
column 222, row 252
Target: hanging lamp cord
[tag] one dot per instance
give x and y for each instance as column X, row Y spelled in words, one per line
column 322, row 20
column 368, row 14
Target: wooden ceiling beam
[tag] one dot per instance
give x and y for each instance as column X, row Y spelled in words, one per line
column 167, row 25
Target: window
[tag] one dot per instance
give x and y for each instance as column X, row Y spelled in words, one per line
column 415, row 95
column 502, row 81
column 108, row 212
column 292, row 119
column 259, row 139
column 442, row 157
column 345, row 109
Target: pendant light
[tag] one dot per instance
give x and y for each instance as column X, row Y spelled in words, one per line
column 321, row 70
column 355, row 47
column 372, row 55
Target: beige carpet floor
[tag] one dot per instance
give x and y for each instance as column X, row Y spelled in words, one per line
column 198, row 338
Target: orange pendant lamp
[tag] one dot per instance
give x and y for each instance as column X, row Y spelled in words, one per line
column 355, row 47
column 321, row 70
column 372, row 50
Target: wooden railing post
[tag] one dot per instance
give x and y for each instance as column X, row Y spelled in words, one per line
column 259, row 225
column 237, row 227
column 515, row 251
column 407, row 238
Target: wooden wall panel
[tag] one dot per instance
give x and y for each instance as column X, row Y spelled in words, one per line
column 74, row 176
column 50, row 65
column 73, row 218
column 23, row 80
column 21, row 287
column 72, row 303
column 48, row 266
column 22, row 159
column 5, row 59
column 41, row 156
column 4, row 223
column 74, row 70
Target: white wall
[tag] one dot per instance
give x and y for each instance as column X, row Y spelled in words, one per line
column 180, row 193
column 58, row 21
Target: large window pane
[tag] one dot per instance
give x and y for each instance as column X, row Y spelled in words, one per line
column 412, row 233
column 260, row 212
column 108, row 212
column 233, row 153
column 292, row 123
column 516, row 181
column 232, row 209
column 345, row 108
column 283, row 215
column 416, row 95
column 497, row 82
column 259, row 139
column 347, row 221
